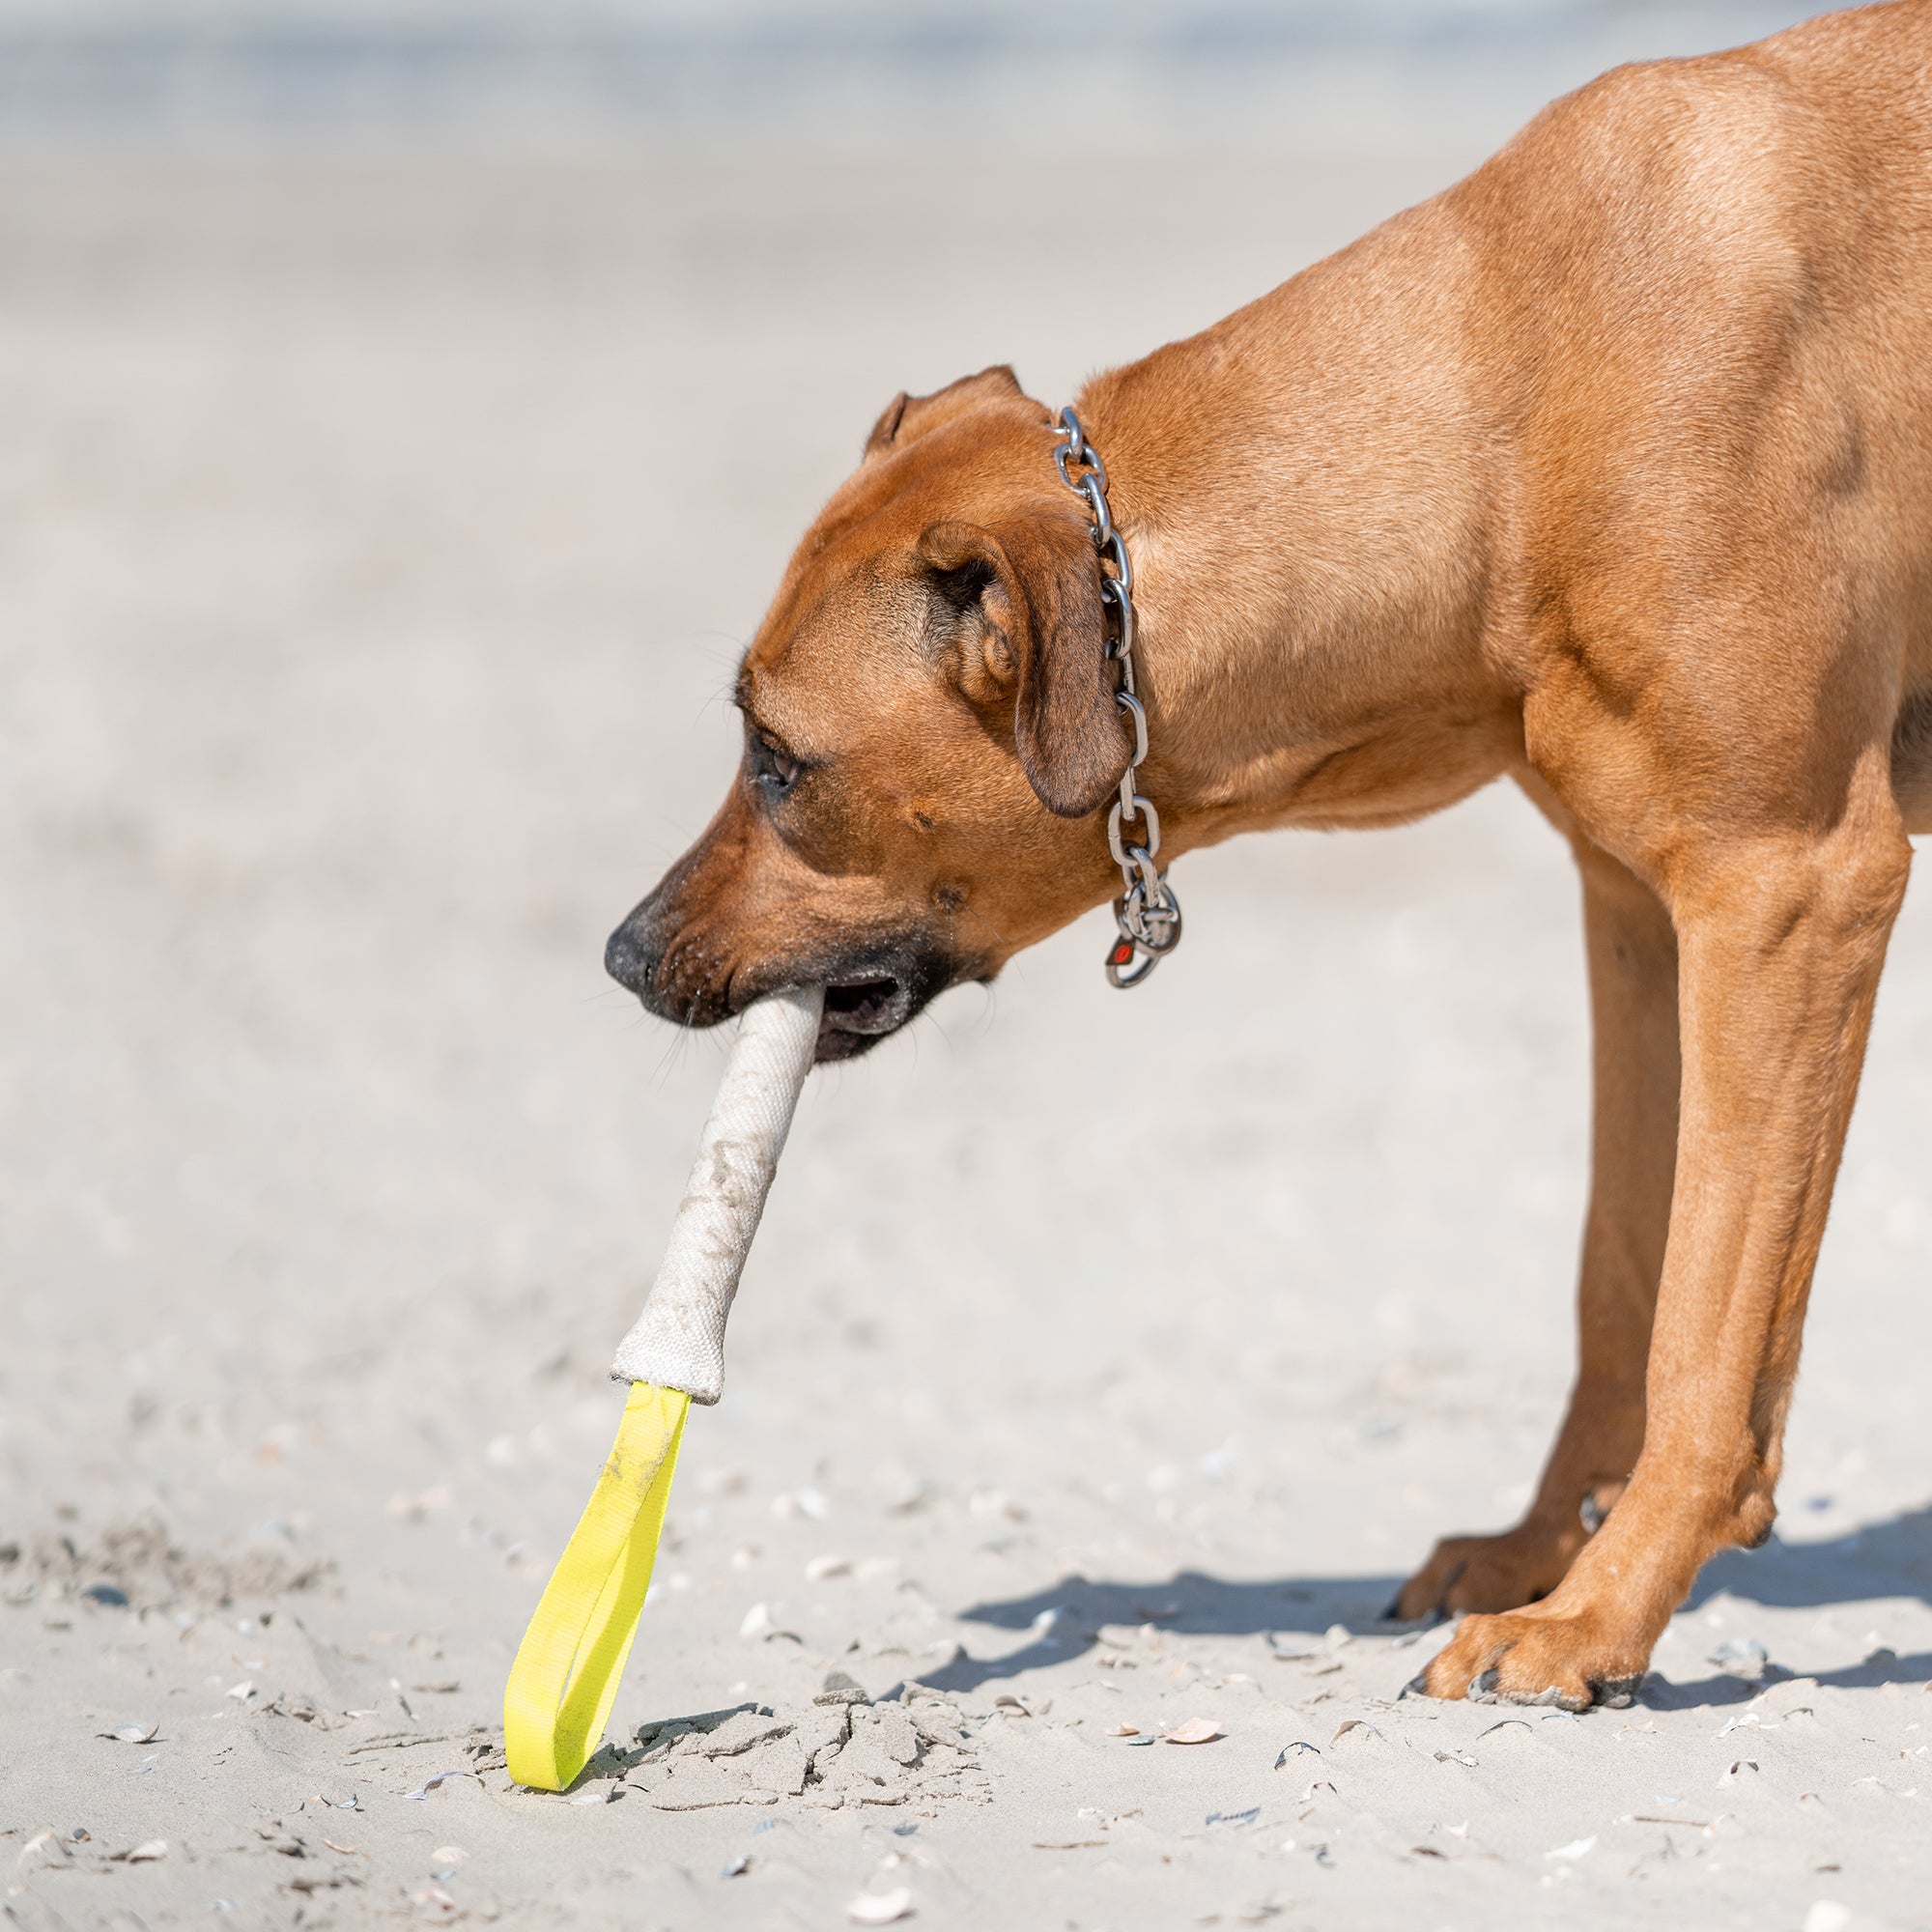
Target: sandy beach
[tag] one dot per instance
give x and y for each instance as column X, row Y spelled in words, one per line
column 379, row 528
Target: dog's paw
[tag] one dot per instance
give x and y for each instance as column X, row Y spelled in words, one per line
column 1571, row 1660
column 1489, row 1573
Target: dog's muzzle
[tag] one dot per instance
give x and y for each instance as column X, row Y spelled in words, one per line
column 869, row 994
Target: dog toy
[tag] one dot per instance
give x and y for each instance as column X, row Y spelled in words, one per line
column 564, row 1680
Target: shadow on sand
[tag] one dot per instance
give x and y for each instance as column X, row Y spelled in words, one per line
column 1888, row 1560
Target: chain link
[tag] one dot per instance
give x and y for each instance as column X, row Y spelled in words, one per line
column 1147, row 912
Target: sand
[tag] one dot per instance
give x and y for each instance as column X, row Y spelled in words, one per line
column 376, row 538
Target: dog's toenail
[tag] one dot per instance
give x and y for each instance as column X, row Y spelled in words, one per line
column 1416, row 1687
column 1393, row 1614
column 1483, row 1690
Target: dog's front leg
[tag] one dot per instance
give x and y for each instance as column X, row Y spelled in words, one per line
column 1781, row 940
column 1633, row 958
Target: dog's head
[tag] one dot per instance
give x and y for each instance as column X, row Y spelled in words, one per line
column 929, row 726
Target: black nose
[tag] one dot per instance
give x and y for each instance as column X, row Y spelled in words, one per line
column 630, row 959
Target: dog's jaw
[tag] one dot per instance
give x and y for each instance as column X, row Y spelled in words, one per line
column 869, row 993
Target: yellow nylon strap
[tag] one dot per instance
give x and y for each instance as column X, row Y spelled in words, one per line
column 568, row 1666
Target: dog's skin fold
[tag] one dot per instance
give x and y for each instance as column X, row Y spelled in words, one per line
column 1610, row 470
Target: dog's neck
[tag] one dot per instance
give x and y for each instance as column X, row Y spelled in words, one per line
column 1312, row 515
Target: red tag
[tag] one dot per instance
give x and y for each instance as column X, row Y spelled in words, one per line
column 1123, row 953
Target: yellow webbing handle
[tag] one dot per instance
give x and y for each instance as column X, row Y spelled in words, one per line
column 565, row 1678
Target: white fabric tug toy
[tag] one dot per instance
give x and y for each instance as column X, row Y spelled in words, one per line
column 568, row 1667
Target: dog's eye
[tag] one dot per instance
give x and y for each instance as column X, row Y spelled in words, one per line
column 772, row 771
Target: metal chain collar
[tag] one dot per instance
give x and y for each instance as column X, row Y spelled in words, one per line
column 1147, row 912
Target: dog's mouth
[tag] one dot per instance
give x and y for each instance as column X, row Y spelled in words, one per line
column 860, row 1012
column 870, row 994
column 873, row 995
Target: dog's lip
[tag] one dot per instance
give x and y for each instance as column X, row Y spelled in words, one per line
column 864, row 1003
column 868, row 995
column 860, row 1012
column 869, row 1003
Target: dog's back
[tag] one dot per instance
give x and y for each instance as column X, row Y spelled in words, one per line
column 1702, row 309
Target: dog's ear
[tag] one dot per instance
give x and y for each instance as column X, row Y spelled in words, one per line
column 907, row 418
column 1034, row 594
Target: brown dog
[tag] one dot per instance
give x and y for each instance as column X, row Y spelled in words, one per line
column 1609, row 469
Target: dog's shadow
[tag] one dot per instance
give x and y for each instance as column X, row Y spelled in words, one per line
column 1886, row 1559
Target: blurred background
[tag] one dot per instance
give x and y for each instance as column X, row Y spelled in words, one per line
column 405, row 416
column 405, row 412
column 1284, row 74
